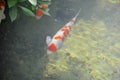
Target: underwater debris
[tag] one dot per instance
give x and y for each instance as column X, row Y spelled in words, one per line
column 67, row 54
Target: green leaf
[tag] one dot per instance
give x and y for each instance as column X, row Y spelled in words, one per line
column 27, row 11
column 22, row 0
column 11, row 3
column 45, row 2
column 46, row 12
column 33, row 8
column 13, row 13
column 33, row 2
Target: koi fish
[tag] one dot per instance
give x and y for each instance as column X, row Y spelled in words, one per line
column 2, row 8
column 56, row 42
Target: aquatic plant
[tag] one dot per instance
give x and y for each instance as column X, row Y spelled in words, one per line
column 89, row 55
column 114, row 1
column 28, row 7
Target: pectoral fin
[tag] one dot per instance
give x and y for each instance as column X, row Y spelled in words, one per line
column 48, row 40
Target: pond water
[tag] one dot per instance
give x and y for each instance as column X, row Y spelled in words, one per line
column 92, row 49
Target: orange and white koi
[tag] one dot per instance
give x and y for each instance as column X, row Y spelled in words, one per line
column 56, row 42
column 2, row 8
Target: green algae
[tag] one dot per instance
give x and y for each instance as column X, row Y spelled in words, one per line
column 114, row 1
column 89, row 54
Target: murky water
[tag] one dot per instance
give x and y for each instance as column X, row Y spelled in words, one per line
column 92, row 48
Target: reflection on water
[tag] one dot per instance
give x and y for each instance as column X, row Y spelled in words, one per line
column 92, row 48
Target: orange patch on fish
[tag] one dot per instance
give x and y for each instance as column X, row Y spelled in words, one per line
column 66, row 32
column 57, row 37
column 52, row 47
column 66, row 27
column 63, row 29
column 72, row 21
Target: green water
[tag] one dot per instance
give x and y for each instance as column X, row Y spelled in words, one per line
column 92, row 48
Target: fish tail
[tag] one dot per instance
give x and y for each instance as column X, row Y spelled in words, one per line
column 73, row 19
column 77, row 14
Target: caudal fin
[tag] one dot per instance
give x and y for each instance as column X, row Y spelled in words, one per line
column 77, row 15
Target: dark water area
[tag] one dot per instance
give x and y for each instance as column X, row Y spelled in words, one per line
column 22, row 46
column 22, row 43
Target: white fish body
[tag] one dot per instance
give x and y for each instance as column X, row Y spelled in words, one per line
column 58, row 39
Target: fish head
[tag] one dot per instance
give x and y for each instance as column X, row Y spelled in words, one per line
column 52, row 48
